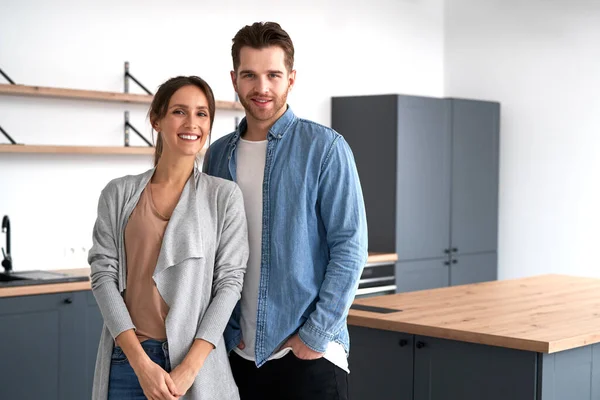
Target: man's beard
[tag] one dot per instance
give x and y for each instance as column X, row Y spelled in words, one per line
column 263, row 115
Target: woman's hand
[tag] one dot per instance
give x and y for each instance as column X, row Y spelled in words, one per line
column 185, row 373
column 183, row 378
column 156, row 383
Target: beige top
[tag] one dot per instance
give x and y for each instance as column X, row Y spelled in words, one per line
column 143, row 239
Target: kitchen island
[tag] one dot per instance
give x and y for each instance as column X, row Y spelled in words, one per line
column 534, row 338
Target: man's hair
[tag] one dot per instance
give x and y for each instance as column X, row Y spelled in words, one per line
column 260, row 35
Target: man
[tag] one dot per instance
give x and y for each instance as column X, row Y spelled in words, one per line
column 307, row 231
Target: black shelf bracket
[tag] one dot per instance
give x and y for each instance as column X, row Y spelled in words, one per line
column 7, row 136
column 128, row 126
column 128, row 76
column 7, row 77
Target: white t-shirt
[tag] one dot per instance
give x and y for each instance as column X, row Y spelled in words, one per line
column 250, row 168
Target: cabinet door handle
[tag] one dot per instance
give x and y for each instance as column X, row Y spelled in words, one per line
column 446, row 262
column 447, row 251
column 454, row 249
column 403, row 342
column 454, row 261
column 420, row 345
column 68, row 300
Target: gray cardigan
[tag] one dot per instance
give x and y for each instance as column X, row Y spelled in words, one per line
column 199, row 274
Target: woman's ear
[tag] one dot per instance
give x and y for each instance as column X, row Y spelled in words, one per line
column 155, row 125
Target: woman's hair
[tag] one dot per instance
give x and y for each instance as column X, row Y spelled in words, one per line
column 160, row 103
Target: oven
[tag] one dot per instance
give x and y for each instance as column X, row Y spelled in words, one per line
column 377, row 279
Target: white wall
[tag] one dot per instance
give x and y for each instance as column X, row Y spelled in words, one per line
column 381, row 46
column 541, row 60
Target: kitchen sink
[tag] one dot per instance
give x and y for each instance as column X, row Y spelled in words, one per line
column 4, row 277
column 25, row 278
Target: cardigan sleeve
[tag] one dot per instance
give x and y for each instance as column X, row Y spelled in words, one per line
column 103, row 258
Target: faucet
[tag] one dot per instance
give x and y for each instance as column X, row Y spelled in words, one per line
column 7, row 262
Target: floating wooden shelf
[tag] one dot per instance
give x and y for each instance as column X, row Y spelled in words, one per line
column 40, row 91
column 18, row 148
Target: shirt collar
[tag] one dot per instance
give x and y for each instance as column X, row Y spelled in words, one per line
column 277, row 131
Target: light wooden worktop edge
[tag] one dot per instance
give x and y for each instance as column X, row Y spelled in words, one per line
column 382, row 258
column 361, row 318
column 14, row 291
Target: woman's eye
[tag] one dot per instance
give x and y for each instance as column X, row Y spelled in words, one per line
column 178, row 112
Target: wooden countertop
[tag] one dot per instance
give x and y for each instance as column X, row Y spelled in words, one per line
column 546, row 314
column 12, row 291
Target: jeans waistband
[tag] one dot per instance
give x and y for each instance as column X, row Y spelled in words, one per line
column 155, row 346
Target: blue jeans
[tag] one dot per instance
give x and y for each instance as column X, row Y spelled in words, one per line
column 123, row 383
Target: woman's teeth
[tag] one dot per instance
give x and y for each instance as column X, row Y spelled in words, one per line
column 188, row 137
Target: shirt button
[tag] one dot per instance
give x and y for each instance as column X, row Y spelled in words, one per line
column 278, row 136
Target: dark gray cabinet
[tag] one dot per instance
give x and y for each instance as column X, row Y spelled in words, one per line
column 452, row 370
column 475, row 152
column 572, row 374
column 48, row 345
column 473, row 268
column 422, row 181
column 422, row 274
column 400, row 366
column 429, row 172
column 381, row 365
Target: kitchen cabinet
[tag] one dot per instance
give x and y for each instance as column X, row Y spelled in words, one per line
column 534, row 338
column 429, row 172
column 449, row 369
column 381, row 364
column 473, row 268
column 395, row 365
column 439, row 272
column 48, row 345
column 422, row 274
column 399, row 366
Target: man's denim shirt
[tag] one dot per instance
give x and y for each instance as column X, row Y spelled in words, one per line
column 314, row 234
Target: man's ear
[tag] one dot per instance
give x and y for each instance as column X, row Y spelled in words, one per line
column 291, row 80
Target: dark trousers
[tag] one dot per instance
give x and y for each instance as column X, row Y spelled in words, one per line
column 289, row 378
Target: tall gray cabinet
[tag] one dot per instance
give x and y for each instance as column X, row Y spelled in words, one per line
column 429, row 173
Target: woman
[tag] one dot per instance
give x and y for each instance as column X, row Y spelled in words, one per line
column 168, row 259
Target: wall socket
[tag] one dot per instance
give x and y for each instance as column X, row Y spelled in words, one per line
column 75, row 256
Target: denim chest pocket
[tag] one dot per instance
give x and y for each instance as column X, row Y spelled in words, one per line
column 118, row 357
